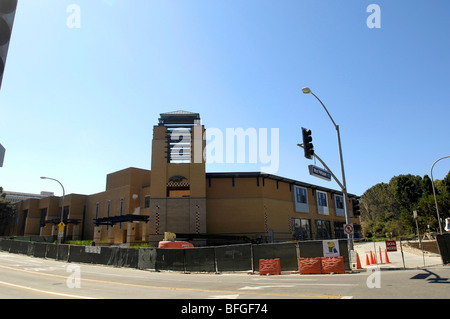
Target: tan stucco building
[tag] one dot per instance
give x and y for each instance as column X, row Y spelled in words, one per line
column 178, row 196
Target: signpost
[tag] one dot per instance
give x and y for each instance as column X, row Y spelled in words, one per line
column 319, row 172
column 348, row 229
column 61, row 226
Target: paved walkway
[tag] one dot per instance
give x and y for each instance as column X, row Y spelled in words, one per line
column 412, row 258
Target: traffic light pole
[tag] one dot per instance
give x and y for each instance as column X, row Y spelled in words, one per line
column 343, row 185
column 347, row 218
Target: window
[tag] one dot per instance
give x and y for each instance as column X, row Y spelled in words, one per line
column 339, row 201
column 322, row 203
column 301, row 229
column 121, row 211
column 301, row 204
column 147, row 202
column 339, row 230
column 322, row 199
column 339, row 205
column 179, row 144
column 108, row 211
column 65, row 213
column 43, row 217
column 96, row 210
column 323, row 229
column 300, row 195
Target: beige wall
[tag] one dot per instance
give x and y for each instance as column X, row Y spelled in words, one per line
column 247, row 208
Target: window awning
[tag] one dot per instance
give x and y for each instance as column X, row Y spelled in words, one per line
column 120, row 219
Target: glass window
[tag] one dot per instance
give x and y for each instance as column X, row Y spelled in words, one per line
column 322, row 199
column 301, row 195
column 323, row 229
column 301, row 229
column 339, row 202
column 43, row 217
column 339, row 230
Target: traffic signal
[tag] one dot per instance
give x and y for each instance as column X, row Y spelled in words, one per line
column 356, row 211
column 307, row 145
column 7, row 13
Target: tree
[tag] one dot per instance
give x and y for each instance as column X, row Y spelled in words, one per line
column 408, row 190
column 446, row 183
column 378, row 205
column 7, row 213
column 427, row 187
column 388, row 208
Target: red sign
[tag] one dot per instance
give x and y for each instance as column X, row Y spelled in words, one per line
column 391, row 245
column 348, row 228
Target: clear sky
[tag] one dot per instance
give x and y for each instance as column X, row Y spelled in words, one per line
column 79, row 101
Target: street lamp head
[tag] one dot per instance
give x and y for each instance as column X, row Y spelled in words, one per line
column 306, row 90
column 43, row 177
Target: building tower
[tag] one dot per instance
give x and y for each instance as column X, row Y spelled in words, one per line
column 178, row 185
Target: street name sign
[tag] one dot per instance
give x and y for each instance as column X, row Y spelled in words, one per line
column 319, row 172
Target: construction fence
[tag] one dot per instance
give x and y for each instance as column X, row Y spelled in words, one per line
column 230, row 258
column 240, row 257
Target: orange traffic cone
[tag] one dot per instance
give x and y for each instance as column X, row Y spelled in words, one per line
column 372, row 260
column 386, row 257
column 367, row 260
column 358, row 262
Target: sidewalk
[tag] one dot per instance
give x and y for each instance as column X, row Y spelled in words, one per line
column 412, row 258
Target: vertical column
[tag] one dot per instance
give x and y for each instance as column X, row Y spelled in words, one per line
column 131, row 233
column 97, row 234
column 111, row 234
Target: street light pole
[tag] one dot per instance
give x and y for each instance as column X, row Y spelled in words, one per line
column 434, row 193
column 306, row 90
column 62, row 209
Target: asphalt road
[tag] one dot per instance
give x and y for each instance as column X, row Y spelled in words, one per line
column 25, row 277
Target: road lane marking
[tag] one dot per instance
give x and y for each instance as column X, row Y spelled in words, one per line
column 224, row 297
column 44, row 291
column 262, row 287
column 292, row 295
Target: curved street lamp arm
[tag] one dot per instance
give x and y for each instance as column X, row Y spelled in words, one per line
column 434, row 192
column 327, row 168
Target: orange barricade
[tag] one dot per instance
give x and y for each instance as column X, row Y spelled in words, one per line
column 175, row 244
column 270, row 266
column 333, row 265
column 310, row 265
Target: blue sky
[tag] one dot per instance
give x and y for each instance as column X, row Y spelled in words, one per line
column 79, row 103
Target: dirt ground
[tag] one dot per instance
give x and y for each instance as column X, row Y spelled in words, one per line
column 428, row 245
